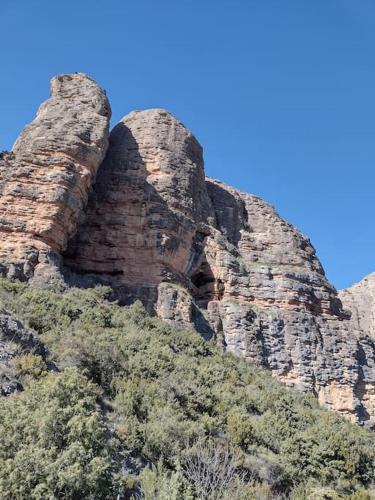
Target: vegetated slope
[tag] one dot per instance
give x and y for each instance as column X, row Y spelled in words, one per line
column 133, row 209
column 138, row 409
column 223, row 262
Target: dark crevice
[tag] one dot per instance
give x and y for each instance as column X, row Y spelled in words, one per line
column 206, row 286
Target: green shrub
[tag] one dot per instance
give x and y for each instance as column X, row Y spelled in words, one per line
column 164, row 390
column 30, row 366
column 159, row 483
column 53, row 441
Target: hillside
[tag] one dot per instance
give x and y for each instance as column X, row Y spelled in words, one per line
column 109, row 401
column 132, row 209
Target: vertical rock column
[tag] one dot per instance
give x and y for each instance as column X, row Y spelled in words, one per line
column 147, row 205
column 45, row 180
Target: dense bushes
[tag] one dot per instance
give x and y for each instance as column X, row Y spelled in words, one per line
column 168, row 396
column 54, row 443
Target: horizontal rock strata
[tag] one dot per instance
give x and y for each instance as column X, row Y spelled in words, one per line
column 195, row 251
column 360, row 301
column 147, row 204
column 45, row 180
column 207, row 256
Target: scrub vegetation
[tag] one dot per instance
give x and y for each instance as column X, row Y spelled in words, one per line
column 127, row 406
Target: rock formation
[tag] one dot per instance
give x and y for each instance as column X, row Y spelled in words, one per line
column 15, row 341
column 45, row 180
column 147, row 203
column 360, row 301
column 195, row 251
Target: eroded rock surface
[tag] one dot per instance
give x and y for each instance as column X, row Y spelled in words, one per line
column 266, row 295
column 359, row 299
column 195, row 251
column 45, row 180
column 148, row 202
column 202, row 254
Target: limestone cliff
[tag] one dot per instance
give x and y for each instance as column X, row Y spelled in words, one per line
column 199, row 253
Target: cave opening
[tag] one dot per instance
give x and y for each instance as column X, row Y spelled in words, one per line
column 206, row 286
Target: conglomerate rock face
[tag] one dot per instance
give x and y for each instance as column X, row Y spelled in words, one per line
column 277, row 308
column 359, row 299
column 204, row 255
column 148, row 201
column 45, row 180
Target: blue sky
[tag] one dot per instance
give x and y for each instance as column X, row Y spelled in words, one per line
column 279, row 93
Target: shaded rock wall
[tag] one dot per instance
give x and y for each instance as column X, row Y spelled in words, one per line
column 146, row 207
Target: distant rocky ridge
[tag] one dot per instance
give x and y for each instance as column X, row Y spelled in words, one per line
column 195, row 251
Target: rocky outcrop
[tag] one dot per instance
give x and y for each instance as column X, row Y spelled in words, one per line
column 45, row 180
column 15, row 341
column 147, row 206
column 359, row 299
column 200, row 254
column 263, row 292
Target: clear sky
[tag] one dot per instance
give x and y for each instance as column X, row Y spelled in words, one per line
column 279, row 93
